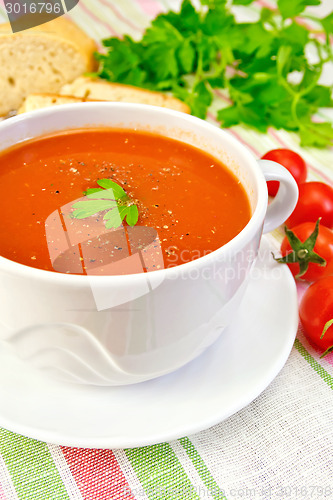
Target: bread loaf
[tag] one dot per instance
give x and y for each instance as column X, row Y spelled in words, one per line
column 41, row 59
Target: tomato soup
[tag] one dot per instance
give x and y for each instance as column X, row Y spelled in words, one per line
column 189, row 203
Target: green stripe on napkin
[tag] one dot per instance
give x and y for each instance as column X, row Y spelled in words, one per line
column 315, row 365
column 202, row 470
column 160, row 473
column 31, row 468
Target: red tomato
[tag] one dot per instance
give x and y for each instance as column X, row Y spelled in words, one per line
column 315, row 310
column 291, row 161
column 315, row 201
column 323, row 247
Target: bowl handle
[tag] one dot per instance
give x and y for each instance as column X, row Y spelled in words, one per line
column 285, row 201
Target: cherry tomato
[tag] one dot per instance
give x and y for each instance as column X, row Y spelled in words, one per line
column 291, row 161
column 315, row 201
column 323, row 247
column 316, row 310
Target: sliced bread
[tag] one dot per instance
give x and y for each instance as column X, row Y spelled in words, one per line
column 101, row 90
column 41, row 59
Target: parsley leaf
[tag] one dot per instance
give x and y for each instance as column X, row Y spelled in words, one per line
column 327, row 23
column 242, row 2
column 113, row 218
column 112, row 187
column 85, row 209
column 110, row 198
column 292, row 8
column 132, row 215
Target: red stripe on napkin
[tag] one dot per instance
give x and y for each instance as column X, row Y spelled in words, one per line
column 149, row 7
column 97, row 474
column 2, row 495
column 94, row 18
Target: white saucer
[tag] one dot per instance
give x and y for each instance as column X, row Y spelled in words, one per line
column 227, row 377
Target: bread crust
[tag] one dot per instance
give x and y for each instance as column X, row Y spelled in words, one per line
column 41, row 59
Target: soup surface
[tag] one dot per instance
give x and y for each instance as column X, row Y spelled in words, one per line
column 192, row 203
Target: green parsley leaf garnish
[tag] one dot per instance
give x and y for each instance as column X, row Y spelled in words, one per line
column 192, row 52
column 111, row 199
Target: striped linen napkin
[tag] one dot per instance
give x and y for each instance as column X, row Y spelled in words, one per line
column 278, row 447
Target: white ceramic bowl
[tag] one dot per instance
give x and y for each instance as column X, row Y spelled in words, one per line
column 114, row 330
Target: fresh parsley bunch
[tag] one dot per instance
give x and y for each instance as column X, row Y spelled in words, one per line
column 192, row 52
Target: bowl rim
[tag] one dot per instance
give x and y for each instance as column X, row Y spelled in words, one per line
column 231, row 247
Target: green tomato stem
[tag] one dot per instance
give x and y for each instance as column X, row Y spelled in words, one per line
column 326, row 327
